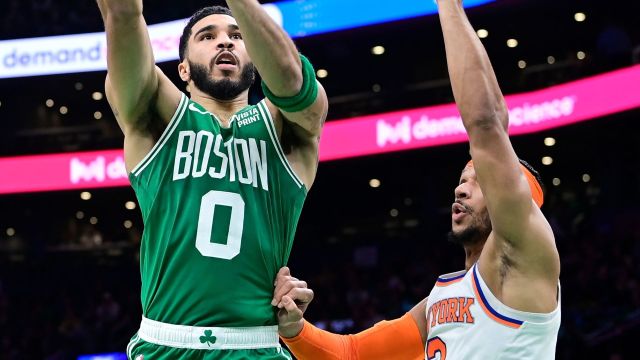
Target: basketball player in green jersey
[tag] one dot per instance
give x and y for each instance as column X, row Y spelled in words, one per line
column 220, row 183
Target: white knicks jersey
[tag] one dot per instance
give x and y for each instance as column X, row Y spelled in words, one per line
column 466, row 322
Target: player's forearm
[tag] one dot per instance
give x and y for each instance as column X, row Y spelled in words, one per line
column 317, row 344
column 395, row 339
column 271, row 49
column 120, row 9
column 473, row 80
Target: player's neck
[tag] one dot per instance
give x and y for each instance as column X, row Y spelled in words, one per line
column 222, row 109
column 472, row 254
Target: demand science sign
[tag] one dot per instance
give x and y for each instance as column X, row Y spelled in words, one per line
column 375, row 134
column 439, row 125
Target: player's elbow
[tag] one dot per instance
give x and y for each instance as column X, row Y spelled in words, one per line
column 486, row 118
column 485, row 128
column 485, row 113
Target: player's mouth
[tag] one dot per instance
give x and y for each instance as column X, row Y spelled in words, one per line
column 458, row 211
column 226, row 61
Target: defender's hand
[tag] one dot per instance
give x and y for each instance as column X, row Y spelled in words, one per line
column 292, row 297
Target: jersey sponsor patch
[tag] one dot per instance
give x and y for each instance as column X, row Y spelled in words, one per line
column 248, row 117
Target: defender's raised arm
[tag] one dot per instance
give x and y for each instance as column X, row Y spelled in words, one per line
column 521, row 247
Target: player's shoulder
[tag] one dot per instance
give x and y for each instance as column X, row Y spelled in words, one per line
column 451, row 278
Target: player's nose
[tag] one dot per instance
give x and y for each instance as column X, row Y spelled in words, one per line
column 224, row 43
column 461, row 192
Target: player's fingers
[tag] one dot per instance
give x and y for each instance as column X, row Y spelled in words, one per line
column 286, row 287
column 283, row 275
column 285, row 284
column 293, row 312
column 283, row 278
column 301, row 295
column 284, row 271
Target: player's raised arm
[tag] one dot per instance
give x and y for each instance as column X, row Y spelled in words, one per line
column 289, row 78
column 137, row 91
column 519, row 228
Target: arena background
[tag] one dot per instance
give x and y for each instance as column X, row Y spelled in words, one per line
column 371, row 240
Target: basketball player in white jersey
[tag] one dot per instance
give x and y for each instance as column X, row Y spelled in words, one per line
column 506, row 303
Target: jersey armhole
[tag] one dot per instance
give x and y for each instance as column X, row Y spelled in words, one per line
column 166, row 134
column 271, row 129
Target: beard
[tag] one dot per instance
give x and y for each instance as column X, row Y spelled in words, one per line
column 225, row 89
column 477, row 232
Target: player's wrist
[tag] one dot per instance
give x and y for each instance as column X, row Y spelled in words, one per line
column 457, row 3
column 291, row 330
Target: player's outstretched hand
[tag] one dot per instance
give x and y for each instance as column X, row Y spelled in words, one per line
column 292, row 297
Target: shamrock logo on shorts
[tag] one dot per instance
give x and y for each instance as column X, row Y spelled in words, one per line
column 208, row 338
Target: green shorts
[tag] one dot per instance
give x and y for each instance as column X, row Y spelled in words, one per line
column 139, row 349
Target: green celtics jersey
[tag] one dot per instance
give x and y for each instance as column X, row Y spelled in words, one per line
column 220, row 208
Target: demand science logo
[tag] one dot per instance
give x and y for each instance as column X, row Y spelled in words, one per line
column 98, row 170
column 430, row 124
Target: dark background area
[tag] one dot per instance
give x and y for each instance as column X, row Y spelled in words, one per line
column 69, row 287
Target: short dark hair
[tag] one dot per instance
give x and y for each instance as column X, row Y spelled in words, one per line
column 197, row 16
column 535, row 174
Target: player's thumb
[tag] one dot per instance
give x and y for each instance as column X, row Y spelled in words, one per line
column 284, row 271
column 290, row 306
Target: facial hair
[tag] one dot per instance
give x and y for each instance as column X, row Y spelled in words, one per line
column 477, row 232
column 225, row 89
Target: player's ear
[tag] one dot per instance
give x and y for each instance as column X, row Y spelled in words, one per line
column 184, row 71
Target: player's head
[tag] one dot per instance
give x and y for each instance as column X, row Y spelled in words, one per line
column 470, row 221
column 213, row 55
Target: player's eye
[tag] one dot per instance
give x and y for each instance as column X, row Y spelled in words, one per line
column 236, row 36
